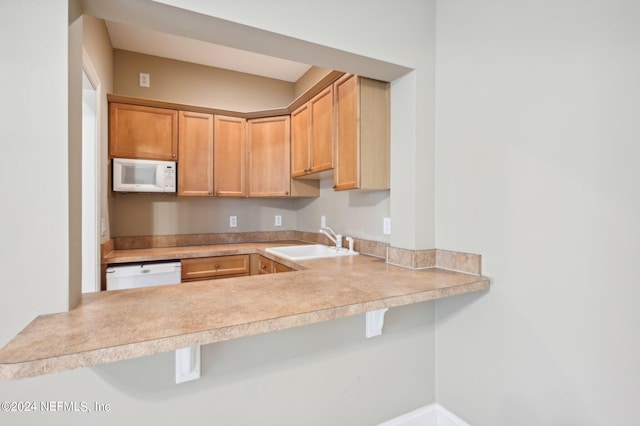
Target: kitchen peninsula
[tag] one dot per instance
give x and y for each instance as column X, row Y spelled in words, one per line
column 117, row 325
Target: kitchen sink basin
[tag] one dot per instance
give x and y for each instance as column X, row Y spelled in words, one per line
column 305, row 252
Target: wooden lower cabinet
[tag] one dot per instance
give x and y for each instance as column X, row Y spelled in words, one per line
column 207, row 268
column 268, row 266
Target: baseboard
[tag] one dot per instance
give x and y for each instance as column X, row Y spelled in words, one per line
column 430, row 415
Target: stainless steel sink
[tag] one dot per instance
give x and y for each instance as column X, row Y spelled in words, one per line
column 313, row 251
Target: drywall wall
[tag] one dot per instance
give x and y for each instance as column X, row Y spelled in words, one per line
column 149, row 214
column 308, row 79
column 34, row 166
column 199, row 85
column 357, row 214
column 537, row 149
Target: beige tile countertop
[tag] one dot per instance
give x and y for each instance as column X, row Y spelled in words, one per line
column 117, row 325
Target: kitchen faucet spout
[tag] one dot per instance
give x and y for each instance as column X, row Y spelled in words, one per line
column 335, row 238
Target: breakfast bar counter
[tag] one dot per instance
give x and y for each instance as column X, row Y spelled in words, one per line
column 116, row 325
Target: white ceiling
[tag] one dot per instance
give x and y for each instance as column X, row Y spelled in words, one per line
column 141, row 40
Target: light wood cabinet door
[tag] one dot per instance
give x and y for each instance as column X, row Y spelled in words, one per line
column 137, row 131
column 312, row 135
column 230, row 156
column 206, row 268
column 268, row 141
column 321, row 131
column 362, row 134
column 195, row 168
column 300, row 138
column 265, row 265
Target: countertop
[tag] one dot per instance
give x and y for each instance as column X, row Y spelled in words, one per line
column 117, row 325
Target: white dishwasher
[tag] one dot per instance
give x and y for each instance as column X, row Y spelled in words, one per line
column 138, row 275
column 143, row 275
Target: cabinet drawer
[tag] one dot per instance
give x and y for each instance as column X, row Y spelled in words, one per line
column 215, row 267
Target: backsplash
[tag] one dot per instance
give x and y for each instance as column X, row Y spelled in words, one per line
column 412, row 259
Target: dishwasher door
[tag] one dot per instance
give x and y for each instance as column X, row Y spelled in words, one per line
column 143, row 275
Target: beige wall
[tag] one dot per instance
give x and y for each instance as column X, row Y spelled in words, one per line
column 308, row 79
column 149, row 214
column 192, row 84
column 34, row 172
column 537, row 169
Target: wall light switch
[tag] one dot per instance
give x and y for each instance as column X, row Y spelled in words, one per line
column 278, row 220
column 145, row 80
column 323, row 221
column 386, row 227
column 233, row 221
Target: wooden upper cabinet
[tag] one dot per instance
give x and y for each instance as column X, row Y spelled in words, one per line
column 312, row 135
column 268, row 141
column 195, row 169
column 362, row 133
column 143, row 132
column 321, row 123
column 300, row 137
column 230, row 156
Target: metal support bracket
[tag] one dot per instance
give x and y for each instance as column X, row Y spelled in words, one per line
column 375, row 321
column 187, row 364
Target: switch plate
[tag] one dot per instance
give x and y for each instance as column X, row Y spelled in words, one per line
column 386, row 227
column 145, row 80
column 103, row 227
column 278, row 220
column 233, row 221
column 323, row 221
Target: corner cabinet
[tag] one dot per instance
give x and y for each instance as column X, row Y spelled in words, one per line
column 268, row 142
column 312, row 135
column 362, row 133
column 195, row 170
column 137, row 131
column 229, row 156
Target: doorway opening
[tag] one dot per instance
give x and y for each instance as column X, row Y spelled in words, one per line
column 90, row 178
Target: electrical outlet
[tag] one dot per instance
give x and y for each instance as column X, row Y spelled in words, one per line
column 323, row 221
column 278, row 220
column 386, row 227
column 145, row 80
column 233, row 221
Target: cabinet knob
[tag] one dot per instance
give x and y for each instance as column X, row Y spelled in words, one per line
column 264, row 266
column 334, row 186
column 286, row 193
column 216, row 266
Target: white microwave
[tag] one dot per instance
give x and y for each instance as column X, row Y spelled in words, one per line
column 143, row 175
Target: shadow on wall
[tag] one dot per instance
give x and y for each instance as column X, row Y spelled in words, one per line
column 331, row 345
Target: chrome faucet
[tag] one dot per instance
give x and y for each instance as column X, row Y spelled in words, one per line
column 336, row 238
